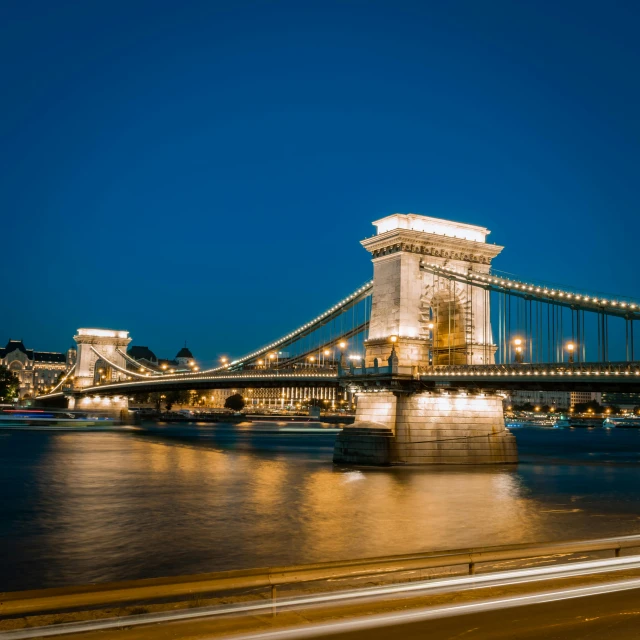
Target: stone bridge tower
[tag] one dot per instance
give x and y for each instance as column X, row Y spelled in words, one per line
column 433, row 319
column 94, row 343
column 95, row 347
column 428, row 320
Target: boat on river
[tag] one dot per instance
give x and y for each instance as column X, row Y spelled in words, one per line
column 50, row 419
column 622, row 422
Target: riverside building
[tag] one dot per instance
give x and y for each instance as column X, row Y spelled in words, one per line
column 36, row 370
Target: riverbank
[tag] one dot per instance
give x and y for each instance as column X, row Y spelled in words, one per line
column 111, row 606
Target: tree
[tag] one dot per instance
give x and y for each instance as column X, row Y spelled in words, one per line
column 176, row 397
column 583, row 407
column 9, row 384
column 234, row 402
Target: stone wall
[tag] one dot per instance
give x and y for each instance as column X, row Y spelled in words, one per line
column 427, row 428
column 456, row 428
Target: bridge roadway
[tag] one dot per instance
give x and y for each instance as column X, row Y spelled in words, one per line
column 621, row 377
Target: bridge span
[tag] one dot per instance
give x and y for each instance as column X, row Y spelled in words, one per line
column 427, row 347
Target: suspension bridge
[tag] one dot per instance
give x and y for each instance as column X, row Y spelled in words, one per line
column 426, row 346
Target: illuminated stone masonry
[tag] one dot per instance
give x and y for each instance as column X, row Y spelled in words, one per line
column 419, row 319
column 94, row 343
column 435, row 320
column 426, row 428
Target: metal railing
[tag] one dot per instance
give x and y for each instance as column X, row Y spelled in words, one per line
column 65, row 598
column 536, row 369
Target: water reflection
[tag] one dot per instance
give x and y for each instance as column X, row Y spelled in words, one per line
column 107, row 506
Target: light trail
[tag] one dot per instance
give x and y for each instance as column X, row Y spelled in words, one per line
column 433, row 613
column 423, row 587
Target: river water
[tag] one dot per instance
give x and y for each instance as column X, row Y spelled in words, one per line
column 92, row 507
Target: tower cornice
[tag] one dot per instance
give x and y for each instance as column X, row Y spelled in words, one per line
column 430, row 244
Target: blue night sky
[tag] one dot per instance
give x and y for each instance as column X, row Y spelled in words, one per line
column 204, row 171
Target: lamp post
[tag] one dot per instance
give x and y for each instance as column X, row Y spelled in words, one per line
column 570, row 349
column 518, row 348
column 343, row 345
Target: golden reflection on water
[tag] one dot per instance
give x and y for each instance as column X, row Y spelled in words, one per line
column 116, row 506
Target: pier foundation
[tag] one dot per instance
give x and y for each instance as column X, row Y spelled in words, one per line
column 427, row 428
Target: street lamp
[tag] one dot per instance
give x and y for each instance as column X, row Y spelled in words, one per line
column 570, row 348
column 518, row 346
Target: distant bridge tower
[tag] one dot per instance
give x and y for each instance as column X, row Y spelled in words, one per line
column 434, row 320
column 419, row 319
column 93, row 345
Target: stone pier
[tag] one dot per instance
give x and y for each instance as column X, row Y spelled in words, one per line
column 426, row 428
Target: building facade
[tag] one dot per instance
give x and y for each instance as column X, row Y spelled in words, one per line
column 555, row 399
column 37, row 371
column 623, row 400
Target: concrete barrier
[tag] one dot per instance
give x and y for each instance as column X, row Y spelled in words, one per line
column 93, row 596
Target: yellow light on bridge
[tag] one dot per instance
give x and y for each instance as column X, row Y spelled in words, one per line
column 517, row 342
column 342, row 344
column 394, row 338
column 571, row 346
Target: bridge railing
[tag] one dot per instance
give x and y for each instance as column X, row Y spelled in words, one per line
column 352, row 370
column 537, row 369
